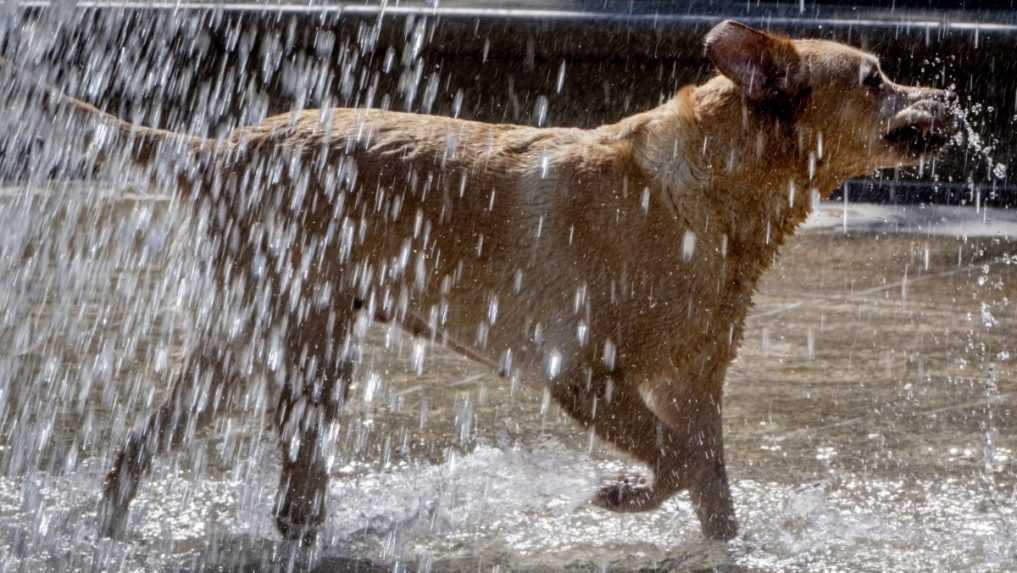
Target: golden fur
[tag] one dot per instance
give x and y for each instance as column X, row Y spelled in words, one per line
column 616, row 265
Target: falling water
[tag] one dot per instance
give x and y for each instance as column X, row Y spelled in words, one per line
column 438, row 463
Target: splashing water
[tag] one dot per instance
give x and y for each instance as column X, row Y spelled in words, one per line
column 970, row 138
column 103, row 287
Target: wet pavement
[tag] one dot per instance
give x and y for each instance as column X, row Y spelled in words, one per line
column 869, row 417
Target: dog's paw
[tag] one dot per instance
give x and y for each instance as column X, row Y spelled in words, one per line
column 627, row 494
column 304, row 533
column 112, row 519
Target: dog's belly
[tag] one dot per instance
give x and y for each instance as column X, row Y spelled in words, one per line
column 542, row 294
column 534, row 333
column 490, row 289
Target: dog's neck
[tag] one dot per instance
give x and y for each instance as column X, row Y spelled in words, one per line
column 751, row 172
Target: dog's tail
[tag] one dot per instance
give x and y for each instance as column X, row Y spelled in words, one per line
column 108, row 132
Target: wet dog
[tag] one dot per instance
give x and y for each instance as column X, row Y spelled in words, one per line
column 614, row 265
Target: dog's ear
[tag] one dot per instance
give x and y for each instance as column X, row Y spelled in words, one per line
column 766, row 67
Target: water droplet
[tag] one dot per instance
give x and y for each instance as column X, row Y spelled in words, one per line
column 553, row 364
column 492, row 309
column 372, row 385
column 688, row 245
column 608, row 356
column 582, row 333
column 457, row 103
column 417, row 356
column 540, row 111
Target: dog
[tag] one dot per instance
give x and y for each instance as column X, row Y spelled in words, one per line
column 615, row 265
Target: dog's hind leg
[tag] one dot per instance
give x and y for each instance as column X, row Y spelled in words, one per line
column 317, row 384
column 201, row 390
column 686, row 455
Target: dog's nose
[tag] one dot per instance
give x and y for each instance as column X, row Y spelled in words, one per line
column 947, row 96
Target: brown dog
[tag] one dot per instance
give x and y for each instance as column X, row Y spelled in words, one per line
column 615, row 265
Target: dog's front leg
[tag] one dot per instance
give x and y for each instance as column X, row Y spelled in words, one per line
column 684, row 449
column 708, row 483
column 613, row 408
column 695, row 417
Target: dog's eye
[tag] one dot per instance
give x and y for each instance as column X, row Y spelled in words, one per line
column 873, row 79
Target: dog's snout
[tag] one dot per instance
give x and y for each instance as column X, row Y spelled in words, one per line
column 949, row 97
column 926, row 120
column 915, row 95
column 940, row 105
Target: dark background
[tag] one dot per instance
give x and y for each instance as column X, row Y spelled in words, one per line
column 206, row 68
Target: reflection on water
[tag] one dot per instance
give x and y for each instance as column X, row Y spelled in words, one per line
column 858, row 420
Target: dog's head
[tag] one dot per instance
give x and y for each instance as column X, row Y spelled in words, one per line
column 837, row 98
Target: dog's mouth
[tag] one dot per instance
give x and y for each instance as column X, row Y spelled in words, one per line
column 921, row 128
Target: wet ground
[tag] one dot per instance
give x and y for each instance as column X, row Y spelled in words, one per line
column 869, row 418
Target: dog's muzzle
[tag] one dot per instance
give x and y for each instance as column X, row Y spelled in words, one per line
column 924, row 126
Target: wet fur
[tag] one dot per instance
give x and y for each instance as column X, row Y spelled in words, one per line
column 424, row 221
